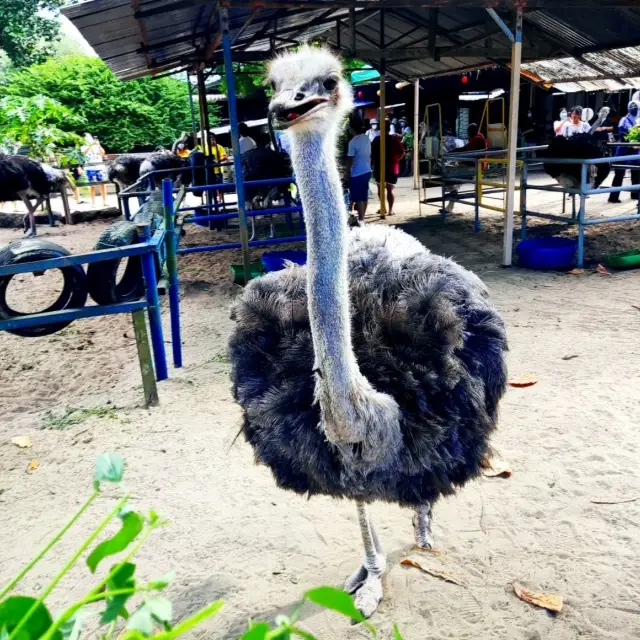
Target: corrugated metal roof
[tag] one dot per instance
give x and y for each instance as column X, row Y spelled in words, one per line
column 563, row 46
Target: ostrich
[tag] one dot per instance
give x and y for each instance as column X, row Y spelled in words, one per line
column 125, row 170
column 262, row 163
column 22, row 179
column 581, row 146
column 375, row 371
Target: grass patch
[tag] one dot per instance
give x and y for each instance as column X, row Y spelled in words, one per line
column 76, row 415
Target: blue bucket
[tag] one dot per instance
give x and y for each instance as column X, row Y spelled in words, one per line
column 547, row 253
column 200, row 213
column 274, row 260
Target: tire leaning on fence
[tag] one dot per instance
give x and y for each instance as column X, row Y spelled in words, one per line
column 104, row 286
column 72, row 296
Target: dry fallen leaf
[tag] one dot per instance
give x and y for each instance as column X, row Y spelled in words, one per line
column 24, row 442
column 636, row 307
column 549, row 601
column 576, row 272
column 33, row 465
column 603, row 270
column 570, row 357
column 526, row 380
column 495, row 467
column 447, row 577
column 432, row 552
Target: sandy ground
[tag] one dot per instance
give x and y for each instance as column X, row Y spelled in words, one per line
column 570, row 440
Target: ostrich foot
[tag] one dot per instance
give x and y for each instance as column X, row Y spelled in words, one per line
column 30, row 233
column 365, row 585
column 422, row 527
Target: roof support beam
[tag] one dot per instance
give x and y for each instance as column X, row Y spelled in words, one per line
column 501, row 23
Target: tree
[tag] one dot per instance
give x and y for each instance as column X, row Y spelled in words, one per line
column 41, row 123
column 125, row 116
column 28, row 29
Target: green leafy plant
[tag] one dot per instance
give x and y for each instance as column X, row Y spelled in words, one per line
column 29, row 29
column 634, row 134
column 124, row 116
column 125, row 606
column 40, row 122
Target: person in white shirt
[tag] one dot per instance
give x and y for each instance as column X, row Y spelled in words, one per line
column 557, row 125
column 373, row 132
column 245, row 141
column 575, row 124
column 359, row 168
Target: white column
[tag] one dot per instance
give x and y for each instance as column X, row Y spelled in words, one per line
column 514, row 105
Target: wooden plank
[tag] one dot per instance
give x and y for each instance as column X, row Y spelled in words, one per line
column 151, row 398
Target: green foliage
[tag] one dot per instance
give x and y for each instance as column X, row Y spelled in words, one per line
column 634, row 134
column 29, row 29
column 124, row 116
column 250, row 78
column 71, row 416
column 39, row 122
column 27, row 618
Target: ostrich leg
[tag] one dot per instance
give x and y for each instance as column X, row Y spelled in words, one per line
column 30, row 218
column 366, row 583
column 422, row 527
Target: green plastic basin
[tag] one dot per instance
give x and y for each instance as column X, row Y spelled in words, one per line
column 624, row 260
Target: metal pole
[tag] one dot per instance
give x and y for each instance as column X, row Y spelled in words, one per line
column 172, row 269
column 202, row 105
column 144, row 358
column 583, row 201
column 514, row 104
column 237, row 159
column 416, row 137
column 193, row 112
column 153, row 309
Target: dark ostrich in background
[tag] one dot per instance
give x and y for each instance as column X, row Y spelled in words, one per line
column 23, row 179
column 125, row 170
column 582, row 146
column 373, row 373
column 265, row 163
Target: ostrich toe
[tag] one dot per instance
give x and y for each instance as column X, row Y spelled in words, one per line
column 369, row 595
column 422, row 527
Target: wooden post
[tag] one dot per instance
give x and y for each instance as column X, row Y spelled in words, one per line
column 416, row 137
column 514, row 105
column 144, row 356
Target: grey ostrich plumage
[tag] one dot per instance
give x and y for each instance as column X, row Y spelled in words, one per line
column 423, row 332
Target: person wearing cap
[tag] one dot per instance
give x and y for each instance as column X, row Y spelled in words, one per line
column 373, row 132
column 624, row 126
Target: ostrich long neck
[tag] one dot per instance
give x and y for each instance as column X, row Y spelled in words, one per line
column 314, row 161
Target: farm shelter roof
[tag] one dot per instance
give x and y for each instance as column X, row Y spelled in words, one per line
column 421, row 38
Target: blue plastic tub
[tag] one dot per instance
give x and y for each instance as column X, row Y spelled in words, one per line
column 547, row 253
column 274, row 260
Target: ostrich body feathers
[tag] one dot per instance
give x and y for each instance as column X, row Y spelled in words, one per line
column 125, row 170
column 581, row 146
column 21, row 174
column 423, row 331
column 263, row 163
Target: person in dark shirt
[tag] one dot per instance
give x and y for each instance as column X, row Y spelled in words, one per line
column 394, row 152
column 477, row 142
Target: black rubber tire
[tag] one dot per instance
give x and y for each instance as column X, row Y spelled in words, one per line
column 74, row 291
column 102, row 276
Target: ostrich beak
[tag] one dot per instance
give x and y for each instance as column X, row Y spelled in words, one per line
column 288, row 108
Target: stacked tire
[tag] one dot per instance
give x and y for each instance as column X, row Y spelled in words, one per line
column 72, row 296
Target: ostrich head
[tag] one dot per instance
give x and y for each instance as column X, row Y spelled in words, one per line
column 310, row 93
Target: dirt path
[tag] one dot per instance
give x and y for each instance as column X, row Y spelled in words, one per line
column 571, row 440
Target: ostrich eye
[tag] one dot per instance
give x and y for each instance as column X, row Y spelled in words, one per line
column 273, row 85
column 330, row 84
